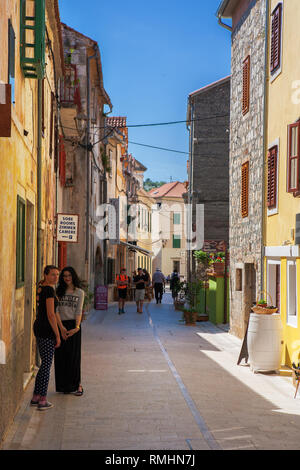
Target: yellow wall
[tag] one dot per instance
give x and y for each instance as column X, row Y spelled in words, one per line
column 284, row 109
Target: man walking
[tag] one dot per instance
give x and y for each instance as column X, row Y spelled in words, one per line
column 158, row 282
column 174, row 281
column 122, row 285
column 140, row 284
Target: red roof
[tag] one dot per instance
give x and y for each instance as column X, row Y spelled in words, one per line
column 174, row 189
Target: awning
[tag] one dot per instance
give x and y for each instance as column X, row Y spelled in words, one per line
column 137, row 248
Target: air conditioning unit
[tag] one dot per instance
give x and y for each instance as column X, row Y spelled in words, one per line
column 5, row 110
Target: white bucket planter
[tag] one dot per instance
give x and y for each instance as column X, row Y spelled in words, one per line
column 264, row 341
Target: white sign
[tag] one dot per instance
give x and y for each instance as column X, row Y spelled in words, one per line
column 67, row 228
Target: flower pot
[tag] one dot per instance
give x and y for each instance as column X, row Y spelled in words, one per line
column 190, row 317
column 219, row 268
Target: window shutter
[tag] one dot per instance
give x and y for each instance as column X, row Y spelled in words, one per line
column 51, row 125
column 276, row 38
column 293, row 158
column 272, row 177
column 32, row 38
column 246, row 85
column 62, row 162
column 20, row 242
column 245, row 190
column 11, row 47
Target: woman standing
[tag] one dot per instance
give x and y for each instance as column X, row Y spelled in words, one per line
column 69, row 312
column 47, row 335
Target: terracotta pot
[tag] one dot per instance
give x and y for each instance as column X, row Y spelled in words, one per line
column 190, row 318
column 219, row 268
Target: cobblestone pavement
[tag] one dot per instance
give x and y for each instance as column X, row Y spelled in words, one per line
column 152, row 383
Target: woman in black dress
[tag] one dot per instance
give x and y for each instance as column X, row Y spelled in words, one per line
column 67, row 359
column 47, row 335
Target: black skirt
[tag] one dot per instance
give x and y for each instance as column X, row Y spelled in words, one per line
column 67, row 361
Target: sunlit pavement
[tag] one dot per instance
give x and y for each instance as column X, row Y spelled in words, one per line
column 152, row 383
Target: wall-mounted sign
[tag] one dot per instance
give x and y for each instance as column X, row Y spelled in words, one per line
column 67, row 228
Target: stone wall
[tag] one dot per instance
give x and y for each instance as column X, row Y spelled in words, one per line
column 211, row 157
column 246, row 144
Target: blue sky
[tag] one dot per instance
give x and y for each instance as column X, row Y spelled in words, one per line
column 153, row 55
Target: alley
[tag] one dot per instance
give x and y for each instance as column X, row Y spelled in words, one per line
column 152, row 383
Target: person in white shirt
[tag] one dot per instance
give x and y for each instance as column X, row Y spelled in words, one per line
column 158, row 282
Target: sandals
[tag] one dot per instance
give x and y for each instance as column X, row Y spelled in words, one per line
column 79, row 392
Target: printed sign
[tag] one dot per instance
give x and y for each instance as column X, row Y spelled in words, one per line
column 101, row 297
column 67, row 228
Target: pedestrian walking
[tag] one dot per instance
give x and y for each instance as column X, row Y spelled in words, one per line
column 47, row 335
column 158, row 282
column 174, row 281
column 67, row 359
column 140, row 285
column 123, row 282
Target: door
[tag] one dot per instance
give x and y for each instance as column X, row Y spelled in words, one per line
column 29, row 312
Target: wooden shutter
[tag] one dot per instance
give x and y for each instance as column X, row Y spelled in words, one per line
column 246, row 85
column 272, row 177
column 62, row 255
column 293, row 157
column 276, row 38
column 62, row 161
column 245, row 190
column 51, row 125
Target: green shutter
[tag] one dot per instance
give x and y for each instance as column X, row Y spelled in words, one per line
column 176, row 241
column 20, row 241
column 32, row 38
column 176, row 219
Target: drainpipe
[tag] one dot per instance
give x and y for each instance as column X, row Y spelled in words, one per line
column 39, row 184
column 88, row 169
column 265, row 133
column 190, row 191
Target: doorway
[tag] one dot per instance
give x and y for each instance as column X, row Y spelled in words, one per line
column 249, row 292
column 29, row 311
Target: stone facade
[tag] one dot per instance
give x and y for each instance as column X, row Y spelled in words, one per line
column 209, row 107
column 246, row 145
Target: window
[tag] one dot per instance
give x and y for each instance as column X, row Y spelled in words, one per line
column 11, row 60
column 246, row 85
column 20, row 248
column 176, row 219
column 245, row 190
column 292, row 293
column 176, row 241
column 239, row 279
column 293, row 158
column 275, row 59
column 272, row 177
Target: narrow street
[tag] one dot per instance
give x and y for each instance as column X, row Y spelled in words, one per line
column 152, row 383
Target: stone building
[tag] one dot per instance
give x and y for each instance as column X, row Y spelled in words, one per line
column 208, row 166
column 246, row 164
column 83, row 156
column 29, row 169
column 168, row 228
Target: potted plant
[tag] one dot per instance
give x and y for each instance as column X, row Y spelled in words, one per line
column 190, row 311
column 190, row 316
column 179, row 292
column 218, row 262
column 262, row 306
